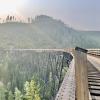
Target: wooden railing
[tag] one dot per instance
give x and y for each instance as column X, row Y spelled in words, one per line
column 95, row 52
column 81, row 74
column 78, row 90
column 67, row 89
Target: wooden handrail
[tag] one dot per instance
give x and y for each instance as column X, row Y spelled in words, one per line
column 95, row 52
column 67, row 88
column 81, row 75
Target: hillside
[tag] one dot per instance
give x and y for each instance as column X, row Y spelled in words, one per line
column 45, row 32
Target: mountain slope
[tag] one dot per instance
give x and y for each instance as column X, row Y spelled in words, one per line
column 45, row 32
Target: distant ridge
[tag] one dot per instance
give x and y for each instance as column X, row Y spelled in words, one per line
column 45, row 32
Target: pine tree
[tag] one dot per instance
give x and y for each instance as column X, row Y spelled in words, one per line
column 31, row 91
column 18, row 95
column 10, row 96
column 2, row 92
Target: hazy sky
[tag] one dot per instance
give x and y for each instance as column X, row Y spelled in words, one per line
column 79, row 14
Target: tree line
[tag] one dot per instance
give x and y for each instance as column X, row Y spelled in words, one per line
column 31, row 75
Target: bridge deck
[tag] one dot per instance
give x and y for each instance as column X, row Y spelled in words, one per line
column 68, row 90
column 94, row 77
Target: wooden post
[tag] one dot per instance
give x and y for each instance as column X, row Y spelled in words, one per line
column 81, row 75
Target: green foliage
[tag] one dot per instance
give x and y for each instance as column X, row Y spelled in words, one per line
column 10, row 96
column 2, row 92
column 43, row 68
column 45, row 32
column 18, row 95
column 31, row 91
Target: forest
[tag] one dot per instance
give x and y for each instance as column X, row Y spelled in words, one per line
column 44, row 32
column 31, row 75
column 34, row 75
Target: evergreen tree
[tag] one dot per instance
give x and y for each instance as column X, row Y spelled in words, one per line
column 31, row 91
column 18, row 95
column 10, row 96
column 11, row 18
column 7, row 18
column 2, row 93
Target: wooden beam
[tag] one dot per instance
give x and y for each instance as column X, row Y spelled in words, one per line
column 67, row 89
column 81, row 75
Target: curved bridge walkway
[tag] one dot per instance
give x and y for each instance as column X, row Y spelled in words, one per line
column 82, row 80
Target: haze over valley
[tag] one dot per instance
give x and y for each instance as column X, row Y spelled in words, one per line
column 45, row 32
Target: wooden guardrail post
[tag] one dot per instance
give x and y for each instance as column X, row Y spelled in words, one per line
column 81, row 75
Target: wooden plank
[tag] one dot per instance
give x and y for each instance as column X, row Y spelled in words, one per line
column 67, row 89
column 94, row 81
column 94, row 52
column 81, row 75
column 64, row 50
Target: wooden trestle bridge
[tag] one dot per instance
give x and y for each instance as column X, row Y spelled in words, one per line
column 82, row 80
